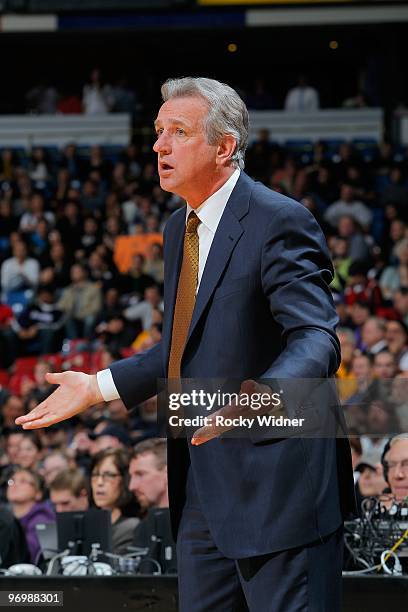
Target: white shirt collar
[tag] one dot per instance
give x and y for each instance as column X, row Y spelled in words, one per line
column 210, row 211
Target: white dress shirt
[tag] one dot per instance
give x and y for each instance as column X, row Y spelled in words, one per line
column 209, row 213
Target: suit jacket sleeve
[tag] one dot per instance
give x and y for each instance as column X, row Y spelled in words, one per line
column 136, row 377
column 296, row 273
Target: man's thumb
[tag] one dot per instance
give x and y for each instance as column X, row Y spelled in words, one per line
column 54, row 378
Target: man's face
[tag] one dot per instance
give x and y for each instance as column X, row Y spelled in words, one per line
column 397, row 459
column 371, row 333
column 148, row 482
column 13, row 446
column 395, row 336
column 52, row 466
column 384, row 366
column 186, row 161
column 104, row 442
column 65, row 501
column 371, row 481
column 361, row 368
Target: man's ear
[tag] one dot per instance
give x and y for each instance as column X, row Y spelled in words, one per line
column 226, row 149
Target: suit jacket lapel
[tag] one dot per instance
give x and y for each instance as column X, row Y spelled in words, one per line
column 226, row 237
column 174, row 246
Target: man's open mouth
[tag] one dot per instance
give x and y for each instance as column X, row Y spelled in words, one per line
column 165, row 166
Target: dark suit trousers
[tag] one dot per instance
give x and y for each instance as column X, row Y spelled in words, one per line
column 304, row 579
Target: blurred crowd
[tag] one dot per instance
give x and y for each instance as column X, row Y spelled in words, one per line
column 81, row 270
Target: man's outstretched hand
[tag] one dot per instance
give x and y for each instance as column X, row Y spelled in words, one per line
column 211, row 431
column 76, row 392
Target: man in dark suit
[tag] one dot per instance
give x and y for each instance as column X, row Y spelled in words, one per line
column 246, row 297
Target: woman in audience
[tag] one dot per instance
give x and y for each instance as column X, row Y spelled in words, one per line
column 25, row 492
column 30, row 451
column 109, row 480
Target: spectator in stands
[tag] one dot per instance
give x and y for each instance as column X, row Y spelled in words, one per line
column 341, row 262
column 97, row 162
column 8, row 225
column 90, row 237
column 13, row 545
column 19, row 272
column 396, row 336
column 397, row 233
column 100, row 272
column 110, row 436
column 37, row 211
column 143, row 311
column 148, row 474
column 12, row 408
column 396, row 192
column 116, row 333
column 263, row 155
column 112, row 230
column 136, row 280
column 69, row 491
column 54, row 463
column 14, row 438
column 71, row 161
column 38, row 329
column 109, row 484
column 357, row 243
column 290, row 178
column 373, row 335
column 155, row 263
column 260, row 98
column 363, row 374
column 396, row 277
column 6, row 335
column 401, row 303
column 345, row 157
column 124, row 98
column 303, row 98
column 371, row 482
column 97, row 96
column 42, row 99
column 70, row 224
column 148, row 482
column 92, row 198
column 30, row 451
column 348, row 205
column 385, row 366
column 80, row 301
column 344, row 374
column 321, row 183
column 25, row 493
column 8, row 165
column 399, row 397
column 39, row 168
column 382, row 422
column 362, row 289
column 396, row 465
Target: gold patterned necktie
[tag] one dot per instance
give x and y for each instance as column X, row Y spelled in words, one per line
column 186, row 295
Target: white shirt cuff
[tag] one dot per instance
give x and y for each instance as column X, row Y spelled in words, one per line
column 106, row 385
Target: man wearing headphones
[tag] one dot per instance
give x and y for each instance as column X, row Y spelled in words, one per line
column 395, row 464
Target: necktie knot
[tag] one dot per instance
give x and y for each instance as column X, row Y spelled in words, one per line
column 192, row 223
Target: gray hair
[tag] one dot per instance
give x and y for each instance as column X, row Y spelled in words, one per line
column 227, row 113
column 402, row 436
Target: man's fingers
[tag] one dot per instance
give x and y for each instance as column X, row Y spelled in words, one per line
column 43, row 421
column 36, row 413
column 208, row 432
column 249, row 386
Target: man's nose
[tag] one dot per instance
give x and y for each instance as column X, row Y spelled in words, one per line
column 162, row 144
